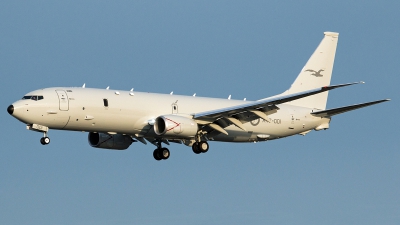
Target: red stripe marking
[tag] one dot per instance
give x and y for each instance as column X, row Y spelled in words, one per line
column 176, row 124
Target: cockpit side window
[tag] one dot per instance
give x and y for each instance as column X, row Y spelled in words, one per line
column 33, row 97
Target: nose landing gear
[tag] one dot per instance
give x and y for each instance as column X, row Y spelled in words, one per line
column 45, row 140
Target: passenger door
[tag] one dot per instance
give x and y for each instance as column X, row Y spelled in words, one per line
column 63, row 100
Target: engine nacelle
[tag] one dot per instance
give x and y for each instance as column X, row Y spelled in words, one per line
column 175, row 126
column 108, row 141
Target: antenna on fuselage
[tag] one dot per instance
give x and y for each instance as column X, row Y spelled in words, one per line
column 108, row 88
column 229, row 97
column 131, row 89
column 84, row 85
column 194, row 95
column 244, row 99
column 171, row 93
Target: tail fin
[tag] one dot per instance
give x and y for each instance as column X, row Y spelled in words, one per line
column 316, row 73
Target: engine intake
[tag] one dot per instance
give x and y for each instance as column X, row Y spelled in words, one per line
column 175, row 126
column 108, row 141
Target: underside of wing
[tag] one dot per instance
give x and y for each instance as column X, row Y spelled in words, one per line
column 335, row 111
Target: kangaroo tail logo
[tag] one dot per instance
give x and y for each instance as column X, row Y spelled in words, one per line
column 315, row 73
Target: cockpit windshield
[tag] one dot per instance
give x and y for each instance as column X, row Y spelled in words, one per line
column 33, row 97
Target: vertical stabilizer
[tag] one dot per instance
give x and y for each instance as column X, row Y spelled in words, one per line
column 316, row 73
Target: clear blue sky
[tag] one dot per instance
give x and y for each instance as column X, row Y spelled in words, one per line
column 348, row 174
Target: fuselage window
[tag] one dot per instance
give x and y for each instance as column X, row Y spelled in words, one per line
column 105, row 101
column 40, row 97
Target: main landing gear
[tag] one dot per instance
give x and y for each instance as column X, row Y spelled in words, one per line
column 161, row 153
column 200, row 147
column 45, row 140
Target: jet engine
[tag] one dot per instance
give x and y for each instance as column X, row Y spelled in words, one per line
column 108, row 141
column 175, row 126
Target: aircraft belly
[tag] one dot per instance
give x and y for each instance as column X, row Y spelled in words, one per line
column 101, row 122
column 235, row 136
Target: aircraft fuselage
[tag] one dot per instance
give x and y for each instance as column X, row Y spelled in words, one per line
column 131, row 113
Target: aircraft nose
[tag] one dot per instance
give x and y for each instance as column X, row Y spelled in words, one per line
column 10, row 109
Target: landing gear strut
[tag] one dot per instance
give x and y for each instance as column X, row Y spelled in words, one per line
column 200, row 147
column 161, row 153
column 45, row 140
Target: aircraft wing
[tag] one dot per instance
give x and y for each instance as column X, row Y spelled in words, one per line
column 335, row 111
column 261, row 107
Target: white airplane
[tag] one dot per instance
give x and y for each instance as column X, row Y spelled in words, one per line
column 116, row 119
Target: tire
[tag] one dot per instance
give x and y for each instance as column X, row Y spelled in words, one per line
column 156, row 155
column 195, row 148
column 42, row 141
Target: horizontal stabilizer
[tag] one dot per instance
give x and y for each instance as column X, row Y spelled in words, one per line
column 332, row 112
